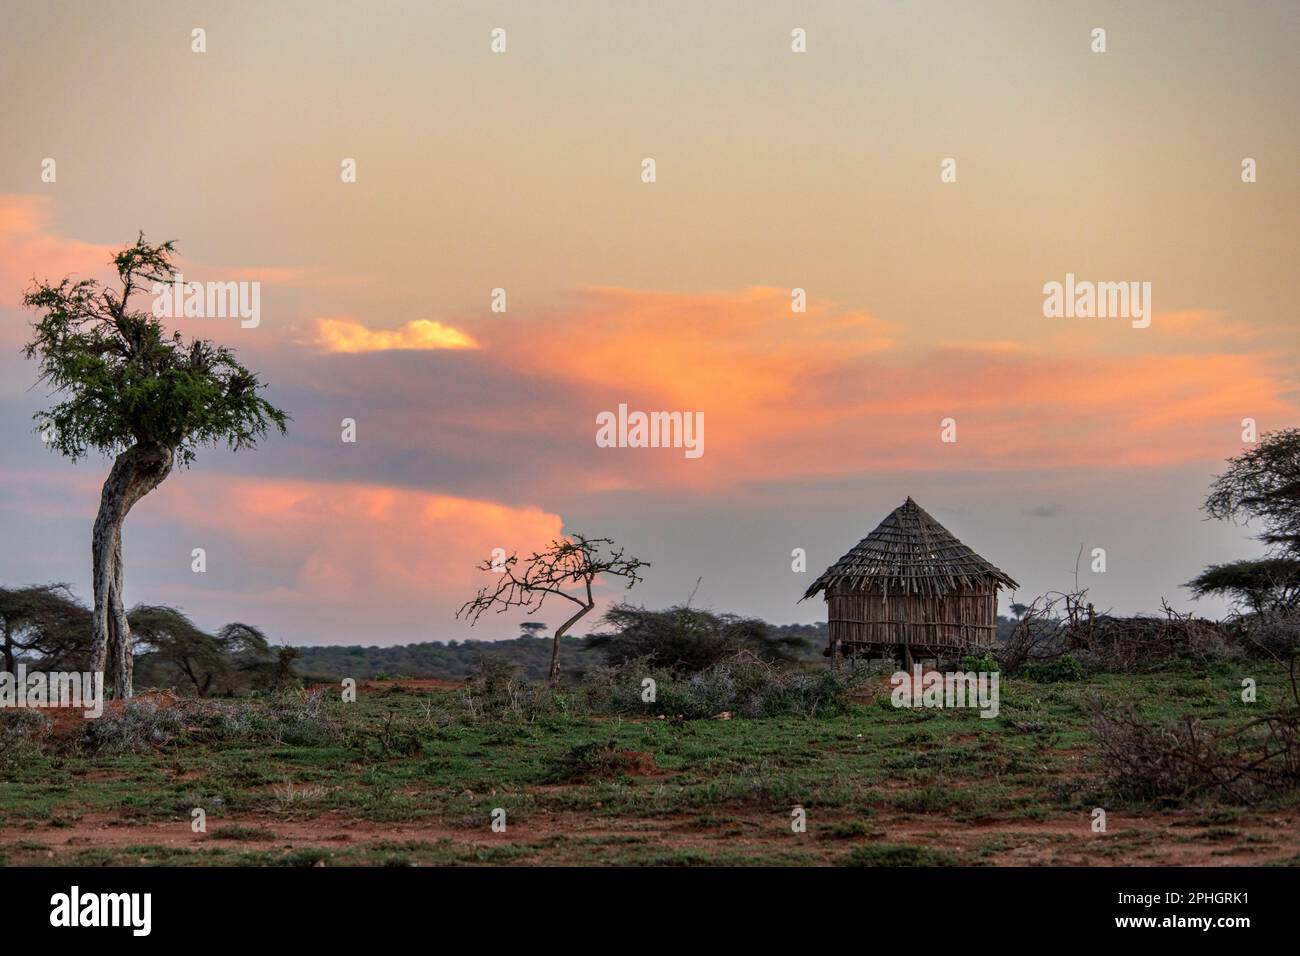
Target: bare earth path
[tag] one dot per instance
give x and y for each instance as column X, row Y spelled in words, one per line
column 1168, row 839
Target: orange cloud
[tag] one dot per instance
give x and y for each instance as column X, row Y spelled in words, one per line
column 790, row 397
column 830, row 391
column 349, row 335
column 355, row 548
column 744, row 348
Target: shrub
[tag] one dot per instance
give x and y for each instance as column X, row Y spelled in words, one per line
column 23, row 734
column 686, row 640
column 299, row 720
column 1063, row 669
column 602, row 760
column 494, row 692
column 743, row 685
column 750, row 687
column 984, row 664
column 1146, row 761
column 138, row 725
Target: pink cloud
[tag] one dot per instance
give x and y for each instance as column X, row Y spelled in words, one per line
column 31, row 248
column 352, row 541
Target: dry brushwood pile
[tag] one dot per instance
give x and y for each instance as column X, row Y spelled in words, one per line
column 1060, row 623
column 1189, row 759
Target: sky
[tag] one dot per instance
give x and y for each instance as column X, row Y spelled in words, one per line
column 774, row 170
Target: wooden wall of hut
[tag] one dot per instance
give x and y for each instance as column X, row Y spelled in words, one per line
column 955, row 620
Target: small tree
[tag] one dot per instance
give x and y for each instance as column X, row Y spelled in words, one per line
column 1261, row 586
column 180, row 645
column 236, row 658
column 44, row 622
column 574, row 562
column 285, row 675
column 1263, row 484
column 135, row 392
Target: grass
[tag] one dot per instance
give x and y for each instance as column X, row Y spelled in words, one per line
column 897, row 854
column 717, row 791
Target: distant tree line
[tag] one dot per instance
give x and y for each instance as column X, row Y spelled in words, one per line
column 48, row 629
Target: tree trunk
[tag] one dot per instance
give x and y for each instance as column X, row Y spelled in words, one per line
column 136, row 472
column 559, row 633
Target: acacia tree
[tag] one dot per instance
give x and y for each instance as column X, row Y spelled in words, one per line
column 1265, row 585
column 1263, row 484
column 179, row 644
column 133, row 391
column 42, row 620
column 238, row 655
column 574, row 562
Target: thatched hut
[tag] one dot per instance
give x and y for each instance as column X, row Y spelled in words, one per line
column 910, row 590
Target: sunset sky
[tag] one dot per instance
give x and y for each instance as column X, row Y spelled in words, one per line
column 775, row 170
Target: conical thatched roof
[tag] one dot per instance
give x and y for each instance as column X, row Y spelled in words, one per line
column 912, row 553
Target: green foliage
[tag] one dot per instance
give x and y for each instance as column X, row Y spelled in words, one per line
column 743, row 685
column 985, row 663
column 44, row 624
column 850, row 830
column 1264, row 585
column 530, row 656
column 597, row 760
column 1059, row 670
column 126, row 380
column 721, row 794
column 455, row 660
column 23, row 734
column 1263, row 484
column 49, row 629
column 146, row 725
column 237, row 659
column 686, row 640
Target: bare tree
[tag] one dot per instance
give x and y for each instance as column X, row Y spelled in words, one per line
column 572, row 563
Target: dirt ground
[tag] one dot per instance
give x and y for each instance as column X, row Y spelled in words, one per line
column 1171, row 839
